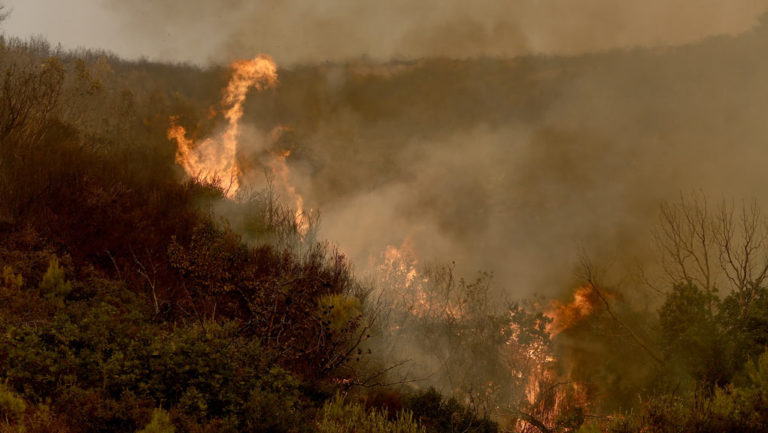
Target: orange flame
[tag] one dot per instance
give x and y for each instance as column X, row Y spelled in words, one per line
column 214, row 160
column 549, row 391
column 398, row 270
column 585, row 302
column 400, row 263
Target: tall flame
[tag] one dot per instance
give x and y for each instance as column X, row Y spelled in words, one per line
column 214, row 160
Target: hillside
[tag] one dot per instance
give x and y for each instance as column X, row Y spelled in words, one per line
column 135, row 297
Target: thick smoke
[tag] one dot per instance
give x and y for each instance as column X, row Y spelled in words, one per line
column 519, row 167
column 513, row 166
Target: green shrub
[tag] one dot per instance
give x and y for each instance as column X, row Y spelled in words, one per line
column 11, row 282
column 338, row 417
column 339, row 311
column 273, row 404
column 439, row 414
column 54, row 283
column 591, row 427
column 160, row 423
column 12, row 406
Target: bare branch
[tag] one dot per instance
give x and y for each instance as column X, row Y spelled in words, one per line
column 697, row 246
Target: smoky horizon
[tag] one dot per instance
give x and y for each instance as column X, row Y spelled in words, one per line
column 303, row 32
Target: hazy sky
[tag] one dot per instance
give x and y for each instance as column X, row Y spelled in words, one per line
column 310, row 30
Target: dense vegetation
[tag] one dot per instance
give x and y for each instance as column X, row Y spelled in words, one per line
column 128, row 304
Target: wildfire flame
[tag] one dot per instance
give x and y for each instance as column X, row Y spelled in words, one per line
column 551, row 392
column 398, row 271
column 400, row 262
column 214, row 160
column 585, row 301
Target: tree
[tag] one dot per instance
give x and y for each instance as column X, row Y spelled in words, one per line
column 692, row 338
column 715, row 249
column 716, row 315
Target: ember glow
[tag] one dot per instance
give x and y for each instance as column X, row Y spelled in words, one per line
column 214, row 160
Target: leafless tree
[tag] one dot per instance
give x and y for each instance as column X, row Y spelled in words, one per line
column 742, row 239
column 685, row 237
column 721, row 249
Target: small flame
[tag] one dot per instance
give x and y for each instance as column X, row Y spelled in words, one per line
column 412, row 290
column 398, row 271
column 214, row 160
column 279, row 168
column 400, row 262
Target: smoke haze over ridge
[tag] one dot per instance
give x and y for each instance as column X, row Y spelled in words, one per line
column 516, row 166
column 297, row 31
